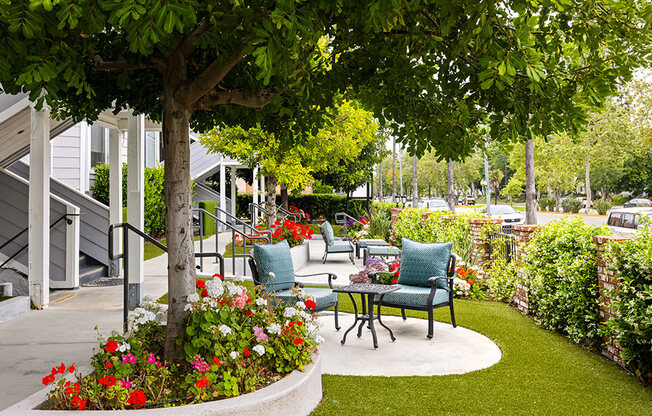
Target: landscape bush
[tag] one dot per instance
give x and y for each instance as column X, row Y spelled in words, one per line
column 602, row 206
column 316, row 205
column 559, row 265
column 571, row 205
column 547, row 204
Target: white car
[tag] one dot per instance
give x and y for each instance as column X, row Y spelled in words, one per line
column 627, row 220
column 508, row 214
column 434, row 205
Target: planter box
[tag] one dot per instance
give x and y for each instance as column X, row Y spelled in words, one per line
column 300, row 256
column 13, row 307
column 297, row 394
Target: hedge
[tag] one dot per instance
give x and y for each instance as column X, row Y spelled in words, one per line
column 209, row 222
column 325, row 205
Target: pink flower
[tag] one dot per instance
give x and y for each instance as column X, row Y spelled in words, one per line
column 241, row 301
column 260, row 334
column 126, row 384
column 151, row 359
column 201, row 365
column 129, row 358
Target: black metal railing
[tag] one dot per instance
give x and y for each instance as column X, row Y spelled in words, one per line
column 234, row 231
column 126, row 227
column 342, row 218
column 24, row 230
column 257, row 211
column 501, row 244
column 286, row 213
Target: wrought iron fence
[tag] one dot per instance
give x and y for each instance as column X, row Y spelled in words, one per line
column 502, row 244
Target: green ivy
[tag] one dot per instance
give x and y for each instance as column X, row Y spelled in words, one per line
column 632, row 299
column 560, row 267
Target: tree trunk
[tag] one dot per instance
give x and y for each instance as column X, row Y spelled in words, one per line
column 393, row 169
column 530, row 188
column 415, row 190
column 496, row 192
column 450, row 196
column 587, row 185
column 284, row 197
column 474, row 191
column 271, row 200
column 178, row 224
column 380, row 182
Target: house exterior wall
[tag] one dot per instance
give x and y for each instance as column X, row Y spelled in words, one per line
column 66, row 153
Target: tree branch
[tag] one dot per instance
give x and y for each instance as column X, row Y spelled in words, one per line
column 235, row 97
column 207, row 80
column 101, row 65
column 188, row 44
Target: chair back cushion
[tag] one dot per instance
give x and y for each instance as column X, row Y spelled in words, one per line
column 274, row 258
column 327, row 233
column 421, row 261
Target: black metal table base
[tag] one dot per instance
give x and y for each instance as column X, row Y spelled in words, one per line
column 368, row 317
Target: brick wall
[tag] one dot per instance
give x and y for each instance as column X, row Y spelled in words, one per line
column 522, row 235
column 607, row 281
column 479, row 243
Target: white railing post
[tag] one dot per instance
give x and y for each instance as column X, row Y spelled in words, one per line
column 136, row 204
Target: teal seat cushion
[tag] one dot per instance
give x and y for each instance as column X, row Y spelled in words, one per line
column 415, row 296
column 340, row 247
column 274, row 258
column 323, row 297
column 383, row 251
column 421, row 261
column 327, row 233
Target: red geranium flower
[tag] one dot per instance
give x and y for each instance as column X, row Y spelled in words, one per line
column 108, row 364
column 107, row 381
column 310, row 304
column 246, row 352
column 71, row 369
column 137, row 399
column 200, row 283
column 216, row 361
column 470, row 282
column 204, row 293
column 202, row 383
column 48, row 379
column 62, row 368
column 82, row 405
column 111, row 346
column 298, row 341
column 219, row 276
column 394, row 281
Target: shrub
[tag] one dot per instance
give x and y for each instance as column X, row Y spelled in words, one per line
column 631, row 326
column 602, row 206
column 547, row 204
column 321, row 188
column 620, row 200
column 571, row 205
column 560, row 269
column 379, row 224
column 386, row 207
column 502, row 276
column 209, row 222
column 325, row 205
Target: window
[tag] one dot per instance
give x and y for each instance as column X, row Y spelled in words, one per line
column 151, row 149
column 99, row 145
column 628, row 221
column 614, row 220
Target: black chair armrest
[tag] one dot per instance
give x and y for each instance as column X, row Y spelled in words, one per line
column 331, row 277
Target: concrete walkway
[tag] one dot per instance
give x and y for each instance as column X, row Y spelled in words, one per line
column 33, row 343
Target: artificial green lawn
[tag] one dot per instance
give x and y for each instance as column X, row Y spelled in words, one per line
column 541, row 372
column 4, row 298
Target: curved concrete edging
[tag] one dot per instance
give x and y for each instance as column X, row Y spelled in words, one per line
column 297, row 394
column 13, row 307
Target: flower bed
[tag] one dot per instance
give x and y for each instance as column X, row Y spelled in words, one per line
column 234, row 343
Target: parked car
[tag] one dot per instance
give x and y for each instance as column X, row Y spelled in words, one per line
column 467, row 200
column 434, row 205
column 638, row 202
column 507, row 213
column 627, row 220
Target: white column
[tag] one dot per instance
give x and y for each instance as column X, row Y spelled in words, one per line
column 135, row 204
column 72, row 248
column 115, row 194
column 39, row 208
column 84, row 157
column 262, row 190
column 233, row 195
column 254, row 218
column 222, row 217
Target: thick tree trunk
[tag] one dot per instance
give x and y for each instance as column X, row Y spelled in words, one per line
column 393, row 169
column 415, row 190
column 530, row 188
column 284, row 197
column 271, row 200
column 450, row 196
column 587, row 184
column 178, row 225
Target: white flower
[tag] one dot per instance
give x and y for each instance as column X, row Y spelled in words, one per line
column 225, row 330
column 124, row 347
column 272, row 275
column 234, row 354
column 238, row 278
column 319, row 339
column 305, row 316
column 261, row 302
column 290, row 312
column 193, row 297
column 259, row 349
column 274, row 329
column 187, row 307
column 214, row 288
column 232, row 289
column 301, row 305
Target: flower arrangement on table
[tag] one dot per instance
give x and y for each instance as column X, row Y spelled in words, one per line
column 234, row 342
column 387, row 271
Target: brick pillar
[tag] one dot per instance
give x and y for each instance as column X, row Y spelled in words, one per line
column 607, row 281
column 479, row 242
column 522, row 235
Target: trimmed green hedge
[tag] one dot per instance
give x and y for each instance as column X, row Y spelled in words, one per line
column 209, row 222
column 325, row 205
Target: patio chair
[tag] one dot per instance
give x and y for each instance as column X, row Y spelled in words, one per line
column 425, row 280
column 276, row 259
column 332, row 244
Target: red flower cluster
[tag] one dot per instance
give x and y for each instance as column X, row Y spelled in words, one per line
column 111, row 346
column 202, row 383
column 57, row 370
column 310, row 304
column 298, row 341
column 200, row 283
column 465, row 274
column 290, row 229
column 137, row 399
column 108, row 381
column 216, row 361
column 79, row 403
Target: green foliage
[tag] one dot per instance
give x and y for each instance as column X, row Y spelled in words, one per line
column 100, row 188
column 631, row 326
column 502, row 276
column 379, row 224
column 560, row 269
column 602, row 206
column 325, row 205
column 571, row 205
column 209, row 222
column 437, row 227
column 320, row 188
column 547, row 204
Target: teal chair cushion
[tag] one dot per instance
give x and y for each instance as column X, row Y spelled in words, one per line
column 340, row 247
column 421, row 261
column 327, row 233
column 274, row 258
column 383, row 251
column 414, row 296
column 323, row 297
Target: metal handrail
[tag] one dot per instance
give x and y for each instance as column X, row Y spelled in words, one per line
column 287, row 213
column 234, row 230
column 125, row 248
column 253, row 208
column 244, row 225
column 340, row 220
column 64, row 216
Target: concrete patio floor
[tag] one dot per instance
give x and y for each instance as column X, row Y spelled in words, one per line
column 33, row 343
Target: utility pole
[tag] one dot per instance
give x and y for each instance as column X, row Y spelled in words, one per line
column 415, row 189
column 400, row 169
column 487, row 187
column 394, row 169
column 530, row 188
